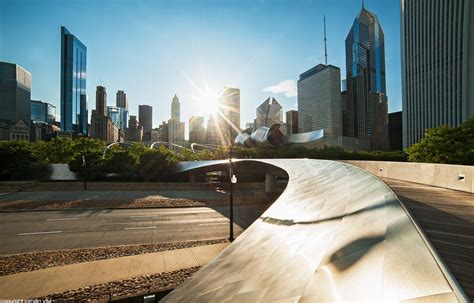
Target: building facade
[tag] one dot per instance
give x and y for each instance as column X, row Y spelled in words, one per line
column 101, row 101
column 42, row 112
column 292, row 122
column 395, row 132
column 19, row 131
column 175, row 126
column 145, row 119
column 74, row 114
column 15, row 93
column 228, row 117
column 121, row 99
column 366, row 110
column 197, row 132
column 269, row 112
column 102, row 126
column 118, row 115
column 319, row 100
column 134, row 131
column 437, row 48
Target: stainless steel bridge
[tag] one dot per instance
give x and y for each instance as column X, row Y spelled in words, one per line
column 337, row 233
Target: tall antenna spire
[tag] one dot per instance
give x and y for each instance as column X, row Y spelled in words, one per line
column 362, row 4
column 325, row 43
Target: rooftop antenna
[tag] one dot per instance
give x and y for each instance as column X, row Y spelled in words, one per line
column 325, row 42
column 362, row 4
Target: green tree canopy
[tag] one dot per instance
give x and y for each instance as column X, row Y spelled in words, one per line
column 444, row 144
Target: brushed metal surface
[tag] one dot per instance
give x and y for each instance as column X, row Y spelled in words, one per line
column 337, row 233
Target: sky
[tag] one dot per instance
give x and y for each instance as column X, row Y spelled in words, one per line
column 154, row 49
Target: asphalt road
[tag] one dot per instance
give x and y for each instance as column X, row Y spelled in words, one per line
column 22, row 232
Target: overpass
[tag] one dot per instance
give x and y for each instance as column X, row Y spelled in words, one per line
column 336, row 233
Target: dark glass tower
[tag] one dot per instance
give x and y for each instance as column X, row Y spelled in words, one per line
column 73, row 84
column 145, row 118
column 366, row 114
column 15, row 93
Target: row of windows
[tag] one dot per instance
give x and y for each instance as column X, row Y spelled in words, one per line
column 433, row 38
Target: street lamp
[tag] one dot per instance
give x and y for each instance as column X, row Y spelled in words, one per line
column 84, row 163
column 232, row 181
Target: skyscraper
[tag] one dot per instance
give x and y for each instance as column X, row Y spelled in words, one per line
column 145, row 119
column 121, row 99
column 197, row 132
column 292, row 122
column 102, row 127
column 228, row 118
column 437, row 48
column 73, row 84
column 134, row 131
column 319, row 100
column 118, row 115
column 175, row 126
column 269, row 112
column 101, row 100
column 366, row 111
column 15, row 93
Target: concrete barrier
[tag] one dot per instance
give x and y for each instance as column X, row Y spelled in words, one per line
column 458, row 177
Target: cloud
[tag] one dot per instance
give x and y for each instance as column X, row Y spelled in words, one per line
column 287, row 87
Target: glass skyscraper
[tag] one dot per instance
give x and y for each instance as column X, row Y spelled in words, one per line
column 118, row 115
column 366, row 111
column 73, row 84
column 15, row 93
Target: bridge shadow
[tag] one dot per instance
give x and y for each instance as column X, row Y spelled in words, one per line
column 293, row 222
column 452, row 235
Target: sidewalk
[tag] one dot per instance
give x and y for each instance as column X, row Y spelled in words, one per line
column 42, row 282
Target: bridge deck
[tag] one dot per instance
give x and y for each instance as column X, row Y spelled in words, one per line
column 447, row 218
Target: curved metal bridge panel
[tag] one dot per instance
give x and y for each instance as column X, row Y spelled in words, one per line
column 337, row 233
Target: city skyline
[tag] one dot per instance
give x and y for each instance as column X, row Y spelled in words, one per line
column 200, row 66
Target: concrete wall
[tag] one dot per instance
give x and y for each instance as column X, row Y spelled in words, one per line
column 441, row 175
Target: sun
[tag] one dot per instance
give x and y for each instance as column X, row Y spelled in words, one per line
column 207, row 102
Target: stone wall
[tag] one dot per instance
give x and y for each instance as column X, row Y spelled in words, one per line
column 458, row 177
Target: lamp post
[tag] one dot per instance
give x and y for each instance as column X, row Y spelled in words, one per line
column 232, row 181
column 84, row 162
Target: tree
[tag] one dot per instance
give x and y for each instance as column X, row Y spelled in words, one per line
column 156, row 164
column 444, row 144
column 121, row 162
column 18, row 161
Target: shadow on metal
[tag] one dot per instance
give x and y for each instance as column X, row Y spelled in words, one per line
column 337, row 233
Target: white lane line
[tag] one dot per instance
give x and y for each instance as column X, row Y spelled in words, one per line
column 41, row 233
column 142, row 227
column 217, row 223
column 63, row 219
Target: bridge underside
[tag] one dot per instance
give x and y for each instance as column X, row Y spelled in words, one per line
column 336, row 233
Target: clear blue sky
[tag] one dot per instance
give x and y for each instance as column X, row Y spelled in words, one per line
column 151, row 49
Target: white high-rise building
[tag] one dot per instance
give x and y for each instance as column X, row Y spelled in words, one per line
column 175, row 126
column 319, row 100
column 437, row 48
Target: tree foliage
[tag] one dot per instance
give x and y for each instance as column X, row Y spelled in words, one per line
column 18, row 161
column 444, row 144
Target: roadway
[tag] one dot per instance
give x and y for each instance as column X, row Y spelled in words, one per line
column 30, row 231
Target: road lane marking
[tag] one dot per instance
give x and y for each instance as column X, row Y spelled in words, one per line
column 63, row 219
column 41, row 233
column 217, row 223
column 142, row 227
